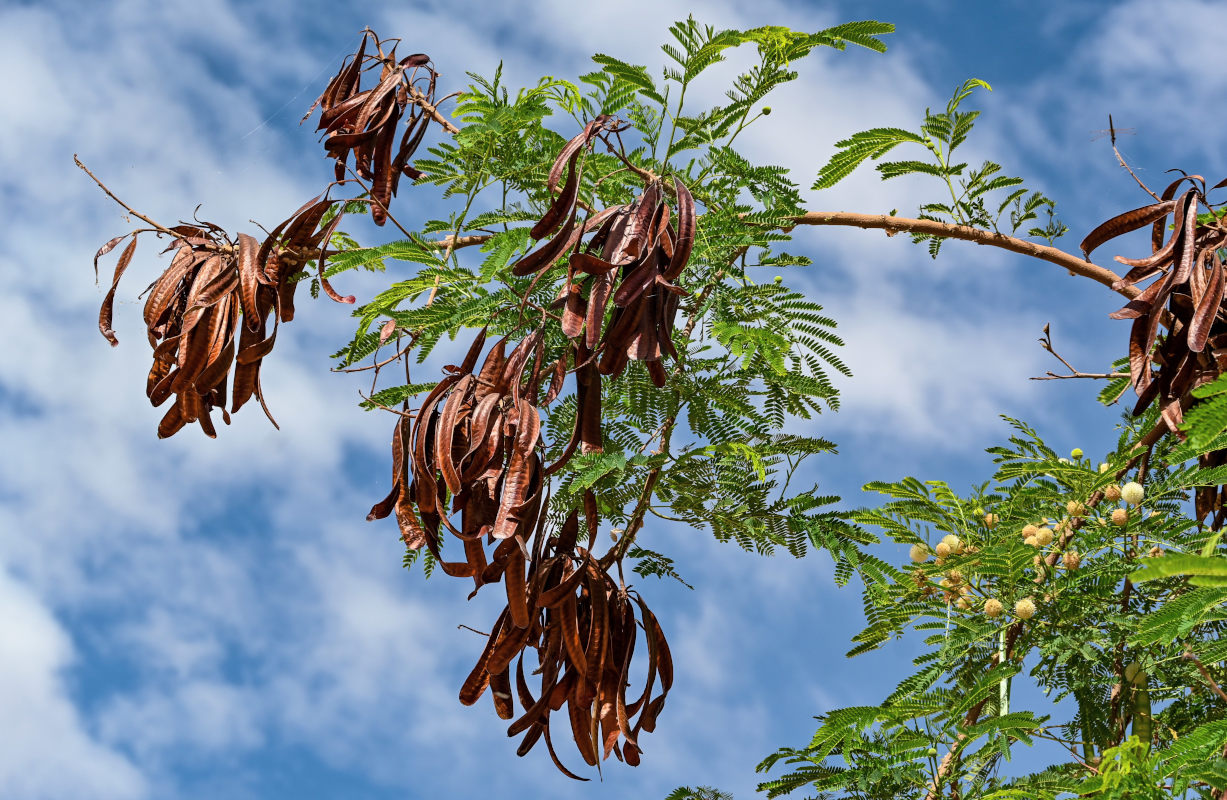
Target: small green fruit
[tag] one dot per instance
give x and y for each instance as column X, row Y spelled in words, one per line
column 766, row 111
column 1076, row 453
column 932, row 751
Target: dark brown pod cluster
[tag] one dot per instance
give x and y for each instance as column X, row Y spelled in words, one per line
column 1184, row 302
column 209, row 311
column 583, row 626
column 472, row 451
column 633, row 260
column 365, row 121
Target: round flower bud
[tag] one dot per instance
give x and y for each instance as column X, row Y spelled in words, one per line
column 1120, row 517
column 1029, row 530
column 942, row 550
column 990, row 520
column 993, row 608
column 945, row 583
column 1032, row 541
column 918, row 553
column 963, row 603
column 1103, row 467
column 1072, row 560
column 1155, row 551
column 1111, row 492
column 1043, row 537
column 955, row 577
column 1132, row 493
column 766, row 111
column 1076, row 453
column 932, row 751
column 1074, row 508
column 1024, row 609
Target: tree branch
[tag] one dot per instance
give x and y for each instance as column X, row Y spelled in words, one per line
column 892, row 225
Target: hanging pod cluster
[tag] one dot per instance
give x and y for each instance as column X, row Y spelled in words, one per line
column 469, row 462
column 1185, row 300
column 365, row 121
column 209, row 310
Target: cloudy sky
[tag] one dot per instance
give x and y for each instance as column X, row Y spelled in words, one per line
column 201, row 619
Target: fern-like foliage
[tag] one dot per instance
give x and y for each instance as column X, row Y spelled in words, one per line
column 978, row 197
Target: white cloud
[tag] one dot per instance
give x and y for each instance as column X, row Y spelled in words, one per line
column 46, row 748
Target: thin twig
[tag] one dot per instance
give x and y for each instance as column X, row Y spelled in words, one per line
column 155, row 225
column 1121, row 160
column 1205, row 673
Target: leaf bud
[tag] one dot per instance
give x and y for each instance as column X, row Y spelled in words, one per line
column 993, row 608
column 918, row 553
column 1120, row 517
column 1132, row 493
column 1111, row 492
column 1025, row 608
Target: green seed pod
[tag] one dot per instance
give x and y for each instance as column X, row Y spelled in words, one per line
column 1143, row 722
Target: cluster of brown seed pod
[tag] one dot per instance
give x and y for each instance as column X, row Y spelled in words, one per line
column 633, row 261
column 1185, row 300
column 209, row 310
column 469, row 462
column 365, row 121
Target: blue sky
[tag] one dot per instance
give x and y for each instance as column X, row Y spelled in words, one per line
column 203, row 619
